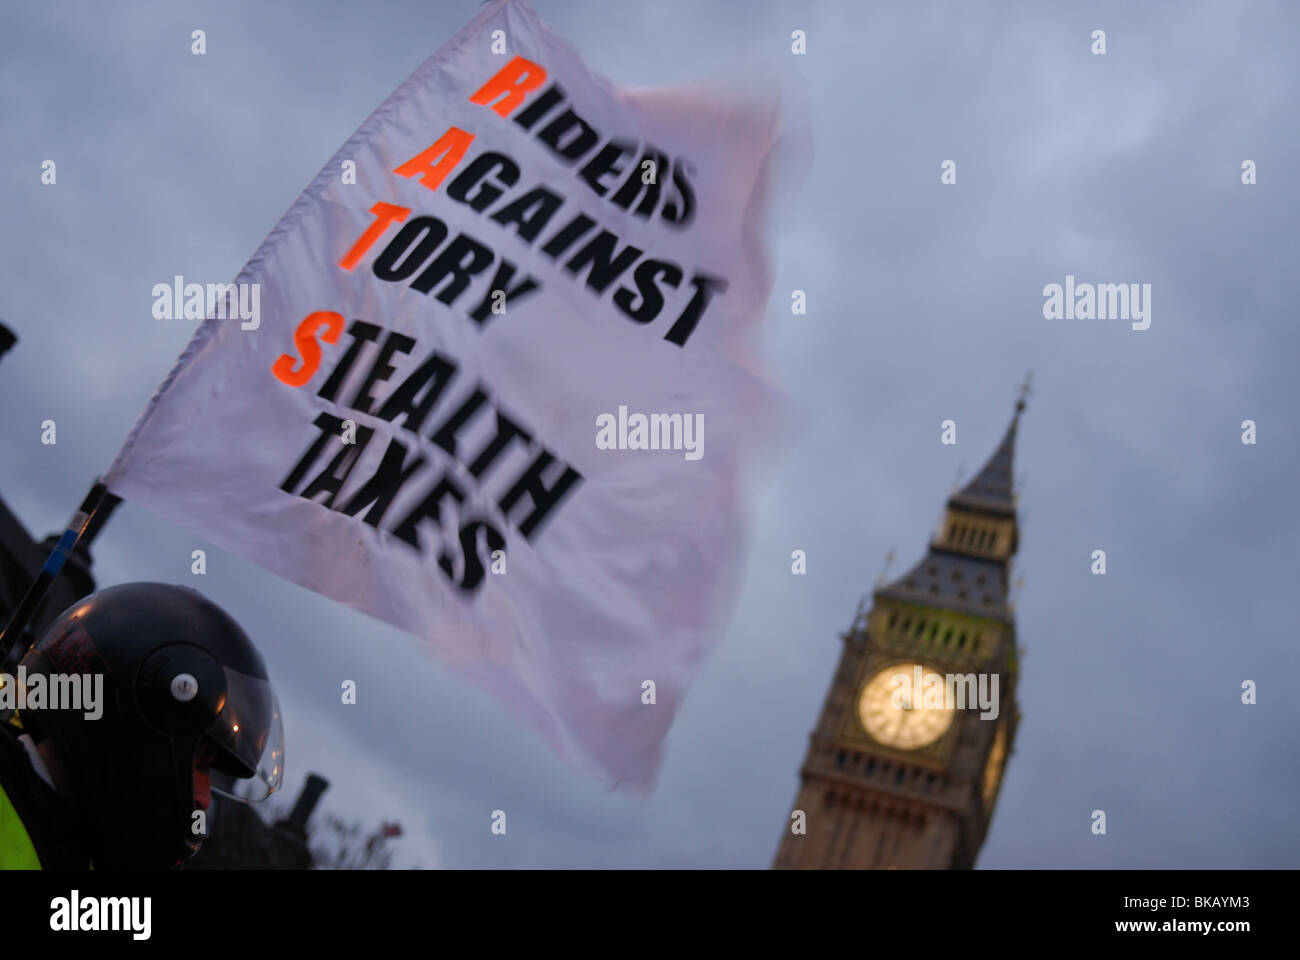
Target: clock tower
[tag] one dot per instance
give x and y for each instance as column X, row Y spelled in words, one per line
column 903, row 768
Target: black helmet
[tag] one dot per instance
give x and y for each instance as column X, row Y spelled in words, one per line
column 178, row 672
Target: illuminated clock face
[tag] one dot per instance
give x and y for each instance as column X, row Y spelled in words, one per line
column 892, row 707
column 993, row 770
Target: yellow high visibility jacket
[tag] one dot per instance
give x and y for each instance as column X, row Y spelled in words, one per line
column 38, row 829
column 17, row 852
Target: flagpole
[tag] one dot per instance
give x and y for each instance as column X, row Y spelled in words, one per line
column 90, row 516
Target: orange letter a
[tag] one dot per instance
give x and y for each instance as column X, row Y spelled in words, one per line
column 434, row 164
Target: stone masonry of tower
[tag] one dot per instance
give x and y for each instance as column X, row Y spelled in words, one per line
column 869, row 803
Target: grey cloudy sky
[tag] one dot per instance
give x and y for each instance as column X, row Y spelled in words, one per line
column 925, row 303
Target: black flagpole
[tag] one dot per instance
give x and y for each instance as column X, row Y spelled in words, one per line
column 90, row 517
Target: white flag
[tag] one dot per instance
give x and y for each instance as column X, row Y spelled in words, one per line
column 485, row 381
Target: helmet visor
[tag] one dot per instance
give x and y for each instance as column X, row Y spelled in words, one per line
column 250, row 739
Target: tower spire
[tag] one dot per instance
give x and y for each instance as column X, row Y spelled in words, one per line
column 966, row 567
column 992, row 488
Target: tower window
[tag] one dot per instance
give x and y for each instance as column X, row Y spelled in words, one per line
column 961, row 642
column 907, row 622
column 871, row 765
column 947, row 638
column 893, row 618
column 898, row 778
column 839, row 759
column 993, row 540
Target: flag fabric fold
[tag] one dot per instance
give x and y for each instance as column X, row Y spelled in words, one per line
column 497, row 392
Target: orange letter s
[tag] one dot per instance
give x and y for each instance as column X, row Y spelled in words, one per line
column 304, row 339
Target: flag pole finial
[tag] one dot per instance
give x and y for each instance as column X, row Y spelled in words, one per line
column 884, row 571
column 1026, row 389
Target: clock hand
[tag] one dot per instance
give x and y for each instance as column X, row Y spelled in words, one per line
column 899, row 716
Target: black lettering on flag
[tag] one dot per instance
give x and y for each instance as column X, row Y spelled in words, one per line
column 605, row 162
column 605, row 267
column 380, row 370
column 445, row 436
column 430, row 507
column 379, row 491
column 569, row 235
column 532, row 485
column 436, row 372
column 428, row 231
column 705, row 285
column 652, row 298
column 686, row 213
column 462, row 259
column 583, row 139
column 329, row 427
column 634, row 186
column 507, row 430
column 336, row 474
column 472, row 575
column 475, row 173
column 361, row 333
column 505, row 271
column 541, row 105
column 530, row 221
